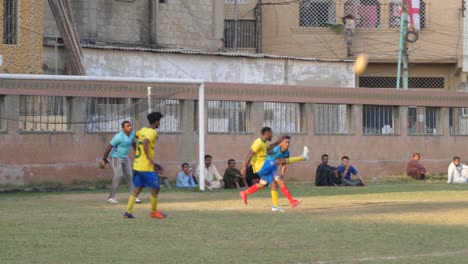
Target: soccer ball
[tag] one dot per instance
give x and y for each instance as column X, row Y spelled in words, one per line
column 361, row 64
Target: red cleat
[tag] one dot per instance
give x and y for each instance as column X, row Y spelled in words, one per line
column 157, row 214
column 243, row 195
column 295, row 203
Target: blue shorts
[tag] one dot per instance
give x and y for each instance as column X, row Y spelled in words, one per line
column 268, row 170
column 146, row 179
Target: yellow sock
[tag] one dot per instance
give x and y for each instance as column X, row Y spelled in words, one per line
column 295, row 159
column 154, row 203
column 131, row 203
column 274, row 198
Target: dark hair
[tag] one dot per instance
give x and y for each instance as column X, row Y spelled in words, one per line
column 183, row 164
column 416, row 154
column 456, row 158
column 125, row 122
column 286, row 137
column 154, row 117
column 345, row 157
column 208, row 156
column 324, row 155
column 266, row 129
column 229, row 160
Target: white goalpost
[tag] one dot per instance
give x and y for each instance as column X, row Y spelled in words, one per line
column 151, row 92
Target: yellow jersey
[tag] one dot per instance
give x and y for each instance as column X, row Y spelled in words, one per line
column 141, row 162
column 260, row 149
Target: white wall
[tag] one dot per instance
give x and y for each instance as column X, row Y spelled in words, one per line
column 211, row 68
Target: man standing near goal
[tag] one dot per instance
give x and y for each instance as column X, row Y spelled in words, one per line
column 118, row 149
column 144, row 167
column 266, row 167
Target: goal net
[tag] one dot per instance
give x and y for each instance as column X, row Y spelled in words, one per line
column 55, row 129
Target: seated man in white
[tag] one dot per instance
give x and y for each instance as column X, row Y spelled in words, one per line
column 457, row 172
column 213, row 179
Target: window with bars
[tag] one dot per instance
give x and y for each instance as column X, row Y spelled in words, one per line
column 283, row 117
column 458, row 121
column 45, row 113
column 2, row 113
column 170, row 109
column 377, row 119
column 332, row 119
column 235, row 1
column 395, row 14
column 240, row 33
column 365, row 12
column 423, row 121
column 10, row 22
column 316, row 13
column 413, row 82
column 107, row 114
column 227, row 117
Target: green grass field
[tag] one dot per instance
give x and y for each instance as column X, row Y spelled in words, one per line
column 381, row 223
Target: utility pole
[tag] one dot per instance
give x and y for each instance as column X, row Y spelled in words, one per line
column 235, row 25
column 403, row 50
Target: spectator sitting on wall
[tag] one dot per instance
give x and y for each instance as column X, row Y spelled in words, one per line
column 185, row 177
column 326, row 175
column 213, row 179
column 457, row 172
column 232, row 177
column 415, row 170
column 346, row 171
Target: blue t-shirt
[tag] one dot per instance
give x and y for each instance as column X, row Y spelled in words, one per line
column 277, row 154
column 352, row 170
column 121, row 144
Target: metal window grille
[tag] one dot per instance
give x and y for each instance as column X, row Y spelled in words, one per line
column 395, row 14
column 10, row 21
column 332, row 119
column 423, row 121
column 316, row 13
column 240, row 34
column 458, row 121
column 413, row 82
column 45, row 113
column 378, row 119
column 170, row 109
column 2, row 113
column 227, row 117
column 283, row 117
column 366, row 12
column 107, row 114
column 235, row 1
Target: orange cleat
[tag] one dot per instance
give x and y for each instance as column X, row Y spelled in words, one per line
column 243, row 195
column 158, row 214
column 295, row 203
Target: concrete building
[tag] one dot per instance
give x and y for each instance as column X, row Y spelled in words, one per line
column 305, row 28
column 21, row 31
column 149, row 23
column 209, row 66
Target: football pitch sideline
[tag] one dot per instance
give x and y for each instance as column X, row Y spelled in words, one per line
column 380, row 223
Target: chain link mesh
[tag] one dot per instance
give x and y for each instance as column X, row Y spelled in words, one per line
column 413, row 82
column 58, row 141
column 365, row 12
column 316, row 13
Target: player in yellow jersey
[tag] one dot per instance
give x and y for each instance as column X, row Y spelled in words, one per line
column 144, row 168
column 265, row 166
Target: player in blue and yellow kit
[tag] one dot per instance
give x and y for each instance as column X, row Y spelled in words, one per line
column 266, row 166
column 144, row 167
column 280, row 152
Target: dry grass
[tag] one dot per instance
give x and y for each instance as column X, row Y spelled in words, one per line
column 381, row 223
